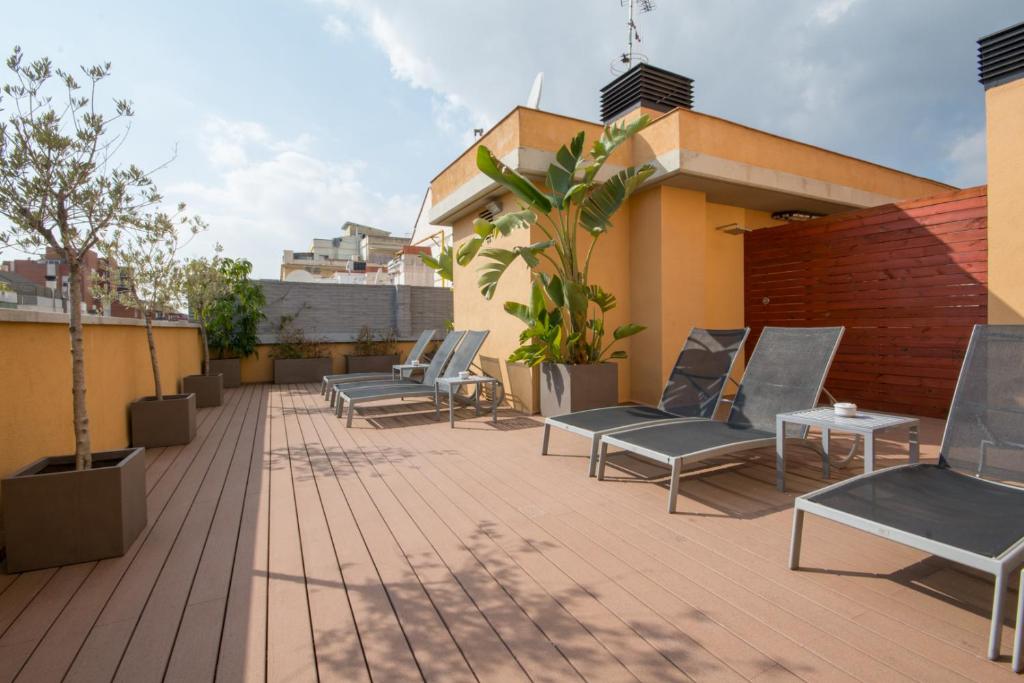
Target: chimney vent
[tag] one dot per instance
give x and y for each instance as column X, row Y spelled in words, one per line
column 1001, row 56
column 645, row 86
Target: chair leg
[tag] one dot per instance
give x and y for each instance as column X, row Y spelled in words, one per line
column 351, row 409
column 798, row 533
column 996, row 629
column 673, row 489
column 547, row 437
column 602, row 460
column 595, row 445
column 1018, row 635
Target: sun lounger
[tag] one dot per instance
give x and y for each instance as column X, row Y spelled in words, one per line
column 693, row 390
column 415, row 354
column 962, row 509
column 786, row 372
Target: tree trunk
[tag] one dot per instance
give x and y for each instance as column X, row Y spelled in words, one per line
column 83, row 443
column 148, row 317
column 206, row 350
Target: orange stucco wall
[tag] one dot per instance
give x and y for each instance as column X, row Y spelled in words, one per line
column 1004, row 107
column 35, row 363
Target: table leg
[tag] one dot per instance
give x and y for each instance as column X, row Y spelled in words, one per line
column 780, row 454
column 869, row 452
column 826, row 463
column 437, row 404
column 915, row 445
column 476, row 399
column 451, row 408
column 494, row 404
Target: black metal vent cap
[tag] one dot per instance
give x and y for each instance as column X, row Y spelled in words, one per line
column 646, row 86
column 1001, row 56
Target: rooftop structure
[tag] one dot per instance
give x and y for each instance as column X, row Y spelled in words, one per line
column 360, row 250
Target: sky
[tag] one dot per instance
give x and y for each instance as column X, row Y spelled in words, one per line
column 282, row 119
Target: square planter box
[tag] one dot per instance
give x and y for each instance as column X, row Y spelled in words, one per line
column 301, row 370
column 230, row 368
column 55, row 515
column 371, row 363
column 569, row 388
column 169, row 422
column 209, row 389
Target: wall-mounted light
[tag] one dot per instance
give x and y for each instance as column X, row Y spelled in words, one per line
column 732, row 229
column 795, row 215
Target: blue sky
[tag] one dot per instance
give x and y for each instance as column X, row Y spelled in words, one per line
column 291, row 117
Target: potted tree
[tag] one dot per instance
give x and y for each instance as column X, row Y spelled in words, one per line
column 565, row 319
column 233, row 321
column 375, row 351
column 298, row 359
column 203, row 285
column 145, row 275
column 62, row 189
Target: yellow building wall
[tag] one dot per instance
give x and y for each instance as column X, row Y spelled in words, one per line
column 35, row 405
column 259, row 367
column 1004, row 107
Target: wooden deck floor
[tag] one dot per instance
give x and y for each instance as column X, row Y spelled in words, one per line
column 282, row 546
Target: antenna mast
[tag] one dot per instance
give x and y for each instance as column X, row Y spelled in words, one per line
column 629, row 57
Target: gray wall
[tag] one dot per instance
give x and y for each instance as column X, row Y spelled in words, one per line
column 335, row 312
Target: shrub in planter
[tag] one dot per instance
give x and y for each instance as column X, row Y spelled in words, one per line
column 233, row 320
column 298, row 359
column 62, row 188
column 203, row 285
column 565, row 319
column 143, row 263
column 375, row 352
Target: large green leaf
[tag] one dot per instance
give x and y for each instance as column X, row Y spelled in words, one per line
column 520, row 311
column 598, row 208
column 468, row 250
column 497, row 171
column 514, row 220
column 628, row 330
column 576, row 298
column 613, row 136
column 554, row 289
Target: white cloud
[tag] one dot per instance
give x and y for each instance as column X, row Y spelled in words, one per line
column 968, row 156
column 830, row 11
column 271, row 195
column 335, row 26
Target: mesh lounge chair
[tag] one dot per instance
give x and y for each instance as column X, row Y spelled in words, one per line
column 693, row 389
column 961, row 509
column 460, row 361
column 415, row 354
column 786, row 372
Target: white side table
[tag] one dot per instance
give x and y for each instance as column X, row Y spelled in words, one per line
column 865, row 424
column 398, row 371
column 452, row 383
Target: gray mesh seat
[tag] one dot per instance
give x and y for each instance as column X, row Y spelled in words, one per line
column 415, row 354
column 786, row 372
column 460, row 360
column 693, row 390
column 965, row 508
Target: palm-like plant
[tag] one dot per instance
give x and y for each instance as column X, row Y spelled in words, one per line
column 565, row 319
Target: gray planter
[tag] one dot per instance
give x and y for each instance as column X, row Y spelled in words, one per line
column 569, row 388
column 168, row 422
column 301, row 370
column 55, row 515
column 230, row 368
column 370, row 363
column 209, row 389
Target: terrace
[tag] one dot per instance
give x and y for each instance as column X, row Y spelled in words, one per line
column 283, row 546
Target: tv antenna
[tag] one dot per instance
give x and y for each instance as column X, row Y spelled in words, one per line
column 631, row 56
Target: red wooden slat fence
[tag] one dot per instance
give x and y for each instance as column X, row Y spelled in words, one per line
column 908, row 281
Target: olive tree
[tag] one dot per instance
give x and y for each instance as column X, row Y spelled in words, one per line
column 144, row 272
column 61, row 187
column 204, row 283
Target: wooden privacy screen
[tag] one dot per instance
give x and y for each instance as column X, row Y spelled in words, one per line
column 907, row 280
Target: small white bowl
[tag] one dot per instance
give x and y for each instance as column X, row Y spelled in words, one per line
column 465, row 375
column 845, row 409
column 414, row 362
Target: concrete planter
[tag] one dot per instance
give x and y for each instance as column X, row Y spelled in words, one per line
column 569, row 388
column 230, row 368
column 371, row 363
column 301, row 370
column 209, row 389
column 168, row 422
column 55, row 515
